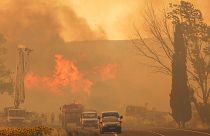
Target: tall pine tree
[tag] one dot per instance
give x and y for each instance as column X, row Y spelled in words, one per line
column 180, row 97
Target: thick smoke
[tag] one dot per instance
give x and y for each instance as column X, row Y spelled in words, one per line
column 43, row 22
column 37, row 23
column 45, row 26
column 134, row 15
column 107, row 72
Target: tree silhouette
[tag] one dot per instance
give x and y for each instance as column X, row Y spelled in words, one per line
column 180, row 97
column 6, row 83
column 197, row 39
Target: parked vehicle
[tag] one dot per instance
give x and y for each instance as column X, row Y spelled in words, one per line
column 89, row 119
column 110, row 121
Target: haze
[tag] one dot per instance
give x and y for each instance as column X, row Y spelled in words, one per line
column 88, row 40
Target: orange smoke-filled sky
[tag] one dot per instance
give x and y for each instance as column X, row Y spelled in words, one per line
column 96, row 19
column 118, row 16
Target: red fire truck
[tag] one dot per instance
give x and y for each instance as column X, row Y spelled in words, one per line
column 71, row 114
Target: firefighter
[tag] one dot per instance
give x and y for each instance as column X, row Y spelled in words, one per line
column 52, row 117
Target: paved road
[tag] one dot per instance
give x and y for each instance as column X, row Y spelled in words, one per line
column 149, row 132
column 160, row 132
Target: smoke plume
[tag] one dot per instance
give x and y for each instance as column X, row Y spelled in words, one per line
column 107, row 72
column 38, row 22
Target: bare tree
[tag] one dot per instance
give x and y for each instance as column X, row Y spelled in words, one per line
column 161, row 51
column 197, row 38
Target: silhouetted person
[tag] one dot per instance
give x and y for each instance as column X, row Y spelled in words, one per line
column 60, row 117
column 52, row 117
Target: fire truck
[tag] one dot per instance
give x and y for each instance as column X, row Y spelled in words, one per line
column 16, row 115
column 71, row 113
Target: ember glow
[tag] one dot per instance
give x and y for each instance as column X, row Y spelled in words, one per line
column 65, row 75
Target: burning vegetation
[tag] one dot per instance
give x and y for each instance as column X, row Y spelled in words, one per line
column 65, row 74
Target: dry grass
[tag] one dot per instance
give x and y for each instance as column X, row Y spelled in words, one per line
column 36, row 131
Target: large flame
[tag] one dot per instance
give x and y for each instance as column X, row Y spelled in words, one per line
column 65, row 74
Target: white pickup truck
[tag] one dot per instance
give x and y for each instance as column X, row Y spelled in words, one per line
column 89, row 119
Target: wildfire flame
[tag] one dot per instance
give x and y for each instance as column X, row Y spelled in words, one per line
column 65, row 74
